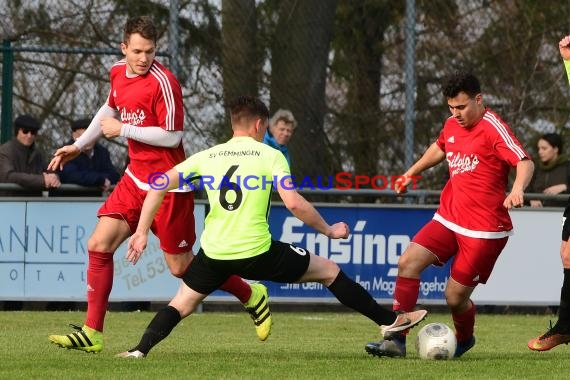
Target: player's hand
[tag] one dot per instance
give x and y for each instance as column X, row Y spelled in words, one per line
column 339, row 230
column 137, row 244
column 401, row 185
column 564, row 47
column 514, row 199
column 111, row 127
column 62, row 156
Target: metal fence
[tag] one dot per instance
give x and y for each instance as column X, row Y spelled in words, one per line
column 382, row 72
column 79, row 98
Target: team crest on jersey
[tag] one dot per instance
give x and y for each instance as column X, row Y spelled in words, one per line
column 135, row 117
column 461, row 163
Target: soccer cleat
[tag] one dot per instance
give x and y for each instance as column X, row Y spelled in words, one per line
column 463, row 347
column 136, row 354
column 403, row 322
column 84, row 339
column 549, row 340
column 395, row 348
column 258, row 308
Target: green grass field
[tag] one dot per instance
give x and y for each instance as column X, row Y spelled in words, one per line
column 217, row 345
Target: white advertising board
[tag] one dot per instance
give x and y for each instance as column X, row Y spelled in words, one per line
column 43, row 255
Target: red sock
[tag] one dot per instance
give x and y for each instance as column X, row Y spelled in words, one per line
column 238, row 287
column 99, row 284
column 464, row 324
column 406, row 294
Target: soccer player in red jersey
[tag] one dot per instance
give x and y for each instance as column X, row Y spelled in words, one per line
column 560, row 332
column 145, row 106
column 472, row 223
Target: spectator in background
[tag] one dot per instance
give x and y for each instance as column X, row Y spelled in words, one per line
column 93, row 166
column 281, row 128
column 552, row 170
column 21, row 161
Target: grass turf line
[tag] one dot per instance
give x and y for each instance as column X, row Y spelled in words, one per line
column 216, row 345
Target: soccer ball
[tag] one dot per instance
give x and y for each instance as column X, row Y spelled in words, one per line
column 436, row 341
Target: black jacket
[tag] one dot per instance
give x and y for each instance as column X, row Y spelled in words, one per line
column 22, row 165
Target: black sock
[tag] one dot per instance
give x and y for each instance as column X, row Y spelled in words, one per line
column 351, row 294
column 564, row 309
column 158, row 329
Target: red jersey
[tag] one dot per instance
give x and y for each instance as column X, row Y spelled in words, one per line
column 479, row 160
column 150, row 100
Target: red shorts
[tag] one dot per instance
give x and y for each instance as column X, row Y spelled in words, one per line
column 173, row 224
column 474, row 257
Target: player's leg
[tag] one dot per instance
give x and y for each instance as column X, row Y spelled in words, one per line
column 174, row 226
column 410, row 266
column 109, row 233
column 183, row 304
column 200, row 280
column 434, row 244
column 352, row 294
column 473, row 265
column 560, row 332
column 463, row 313
column 254, row 296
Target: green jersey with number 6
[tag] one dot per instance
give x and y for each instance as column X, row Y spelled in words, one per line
column 238, row 177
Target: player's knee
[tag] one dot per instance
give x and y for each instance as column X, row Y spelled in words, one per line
column 97, row 244
column 566, row 261
column 406, row 266
column 178, row 271
column 455, row 301
column 332, row 271
column 178, row 264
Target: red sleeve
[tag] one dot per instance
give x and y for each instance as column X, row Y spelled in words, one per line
column 441, row 139
column 168, row 106
column 111, row 99
column 505, row 142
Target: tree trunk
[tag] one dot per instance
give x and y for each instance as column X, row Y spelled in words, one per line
column 299, row 60
column 239, row 63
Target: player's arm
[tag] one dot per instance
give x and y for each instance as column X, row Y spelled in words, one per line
column 432, row 156
column 152, row 201
column 564, row 47
column 152, row 135
column 93, row 132
column 305, row 212
column 524, row 171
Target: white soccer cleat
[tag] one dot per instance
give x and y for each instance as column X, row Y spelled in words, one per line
column 403, row 322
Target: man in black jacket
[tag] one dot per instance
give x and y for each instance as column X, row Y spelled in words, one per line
column 22, row 163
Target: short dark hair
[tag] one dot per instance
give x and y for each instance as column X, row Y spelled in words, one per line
column 142, row 25
column 554, row 139
column 80, row 124
column 461, row 81
column 247, row 107
column 26, row 122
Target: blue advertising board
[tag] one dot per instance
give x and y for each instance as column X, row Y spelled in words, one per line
column 43, row 255
column 379, row 235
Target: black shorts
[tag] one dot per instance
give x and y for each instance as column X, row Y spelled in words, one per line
column 284, row 263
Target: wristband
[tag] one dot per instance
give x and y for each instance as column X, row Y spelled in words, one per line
column 567, row 66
